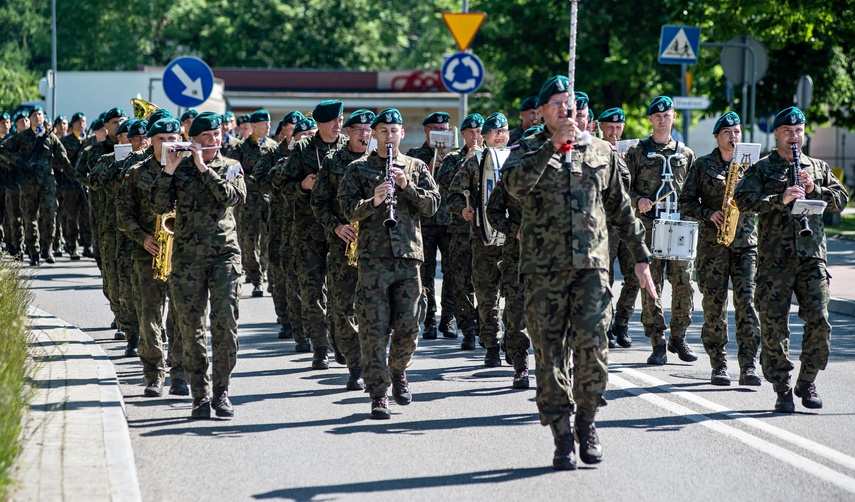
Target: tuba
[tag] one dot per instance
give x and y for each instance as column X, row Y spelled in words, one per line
column 164, row 232
column 727, row 231
column 142, row 108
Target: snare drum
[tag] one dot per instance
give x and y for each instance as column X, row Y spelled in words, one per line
column 675, row 240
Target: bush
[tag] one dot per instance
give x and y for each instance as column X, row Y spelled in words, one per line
column 15, row 367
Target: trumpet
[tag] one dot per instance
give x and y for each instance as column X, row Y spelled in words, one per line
column 391, row 221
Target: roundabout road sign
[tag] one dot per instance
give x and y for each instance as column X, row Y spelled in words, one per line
column 188, row 81
column 462, row 72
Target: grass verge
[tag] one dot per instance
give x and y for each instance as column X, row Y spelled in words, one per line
column 15, row 367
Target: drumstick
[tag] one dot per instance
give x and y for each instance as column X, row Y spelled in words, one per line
column 466, row 194
column 660, row 199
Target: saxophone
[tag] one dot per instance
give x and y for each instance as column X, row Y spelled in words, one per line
column 350, row 252
column 164, row 232
column 727, row 231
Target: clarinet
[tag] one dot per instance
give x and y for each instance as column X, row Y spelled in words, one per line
column 390, row 221
column 797, row 169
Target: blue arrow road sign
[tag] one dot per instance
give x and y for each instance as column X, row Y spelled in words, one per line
column 462, row 72
column 679, row 44
column 188, row 81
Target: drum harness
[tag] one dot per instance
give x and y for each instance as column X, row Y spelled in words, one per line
column 666, row 196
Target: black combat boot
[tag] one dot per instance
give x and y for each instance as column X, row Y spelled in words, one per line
column 303, row 345
column 658, row 357
column 622, row 336
column 119, row 335
column 257, row 292
column 590, row 449
column 681, row 348
column 492, row 358
column 430, row 332
column 201, row 408
column 401, row 389
column 154, row 389
column 286, row 332
column 784, row 403
column 564, row 458
column 807, row 391
column 748, row 376
column 719, row 376
column 133, row 344
column 221, row 403
column 610, row 334
column 447, row 328
column 179, row 387
column 355, row 382
column 468, row 342
column 521, row 379
column 339, row 357
column 380, row 408
column 320, row 360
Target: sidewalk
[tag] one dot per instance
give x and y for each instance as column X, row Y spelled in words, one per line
column 76, row 444
column 841, row 267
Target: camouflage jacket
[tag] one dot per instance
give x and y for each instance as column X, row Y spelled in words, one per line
column 425, row 154
column 231, row 144
column 646, row 173
column 761, row 191
column 105, row 180
column 90, row 156
column 253, row 153
column 325, row 203
column 468, row 177
column 51, row 155
column 703, row 195
column 134, row 212
column 515, row 134
column 505, row 215
column 419, row 199
column 73, row 146
column 450, row 165
column 306, row 159
column 565, row 208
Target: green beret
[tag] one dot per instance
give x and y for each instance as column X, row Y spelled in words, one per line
column 613, row 115
column 292, row 117
column 34, row 109
column 77, row 116
column 472, row 120
column 259, row 116
column 532, row 131
column 98, row 124
column 5, row 116
column 59, row 118
column 243, row 119
column 124, row 126
column 20, row 115
column 387, row 116
column 590, row 115
column 554, row 85
column 581, row 100
column 660, row 104
column 305, row 124
column 205, row 121
column 161, row 113
column 228, row 116
column 529, row 103
column 189, row 114
column 113, row 113
column 437, row 118
column 328, row 110
column 726, row 120
column 494, row 121
column 788, row 116
column 164, row 126
column 137, row 128
column 361, row 116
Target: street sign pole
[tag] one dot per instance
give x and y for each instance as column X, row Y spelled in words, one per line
column 464, row 98
column 687, row 114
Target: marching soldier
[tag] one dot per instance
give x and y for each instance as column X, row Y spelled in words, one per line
column 435, row 236
column 341, row 275
column 646, row 178
column 244, row 126
column 790, row 262
column 703, row 193
column 530, row 117
column 74, row 209
column 231, row 141
column 565, row 266
column 391, row 302
column 203, row 189
column 13, row 225
column 460, row 249
column 186, row 120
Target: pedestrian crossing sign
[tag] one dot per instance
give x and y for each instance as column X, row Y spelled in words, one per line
column 679, row 44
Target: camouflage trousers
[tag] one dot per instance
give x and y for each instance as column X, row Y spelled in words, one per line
column 71, row 201
column 150, row 301
column 460, row 267
column 38, row 205
column 437, row 237
column 275, row 274
column 252, row 218
column 110, row 277
column 341, row 279
column 777, row 281
column 312, row 274
column 716, row 264
column 679, row 274
column 127, row 319
column 94, row 203
column 85, row 222
column 516, row 339
column 486, row 278
column 390, row 304
column 13, row 225
column 625, row 305
column 568, row 313
column 289, row 261
column 191, row 282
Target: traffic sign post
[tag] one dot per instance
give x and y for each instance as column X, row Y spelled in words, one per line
column 188, row 81
column 679, row 44
column 462, row 72
column 463, row 26
column 691, row 102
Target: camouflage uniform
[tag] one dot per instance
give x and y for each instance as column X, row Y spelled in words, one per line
column 231, row 145
column 566, row 267
column 73, row 212
column 38, row 193
column 13, row 227
column 252, row 216
column 390, row 299
column 205, row 259
column 341, row 277
column 625, row 305
column 789, row 263
column 702, row 195
column 309, row 235
column 90, row 156
column 505, row 215
column 646, row 176
column 459, row 250
column 515, row 134
column 435, row 236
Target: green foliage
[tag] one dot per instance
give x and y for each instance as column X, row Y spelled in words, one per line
column 16, row 86
column 15, row 367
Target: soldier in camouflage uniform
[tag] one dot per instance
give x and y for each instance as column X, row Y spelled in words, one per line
column 646, row 177
column 435, row 236
column 565, row 270
column 460, row 249
column 391, row 300
column 341, row 276
column 790, row 263
column 37, row 152
column 252, row 216
column 231, row 141
column 530, row 117
column 298, row 179
column 701, row 199
column 486, row 276
column 12, row 221
column 203, row 189
column 74, row 214
column 186, row 120
column 138, row 222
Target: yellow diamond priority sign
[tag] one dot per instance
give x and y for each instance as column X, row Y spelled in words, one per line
column 463, row 26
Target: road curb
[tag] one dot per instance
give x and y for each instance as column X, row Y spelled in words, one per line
column 840, row 306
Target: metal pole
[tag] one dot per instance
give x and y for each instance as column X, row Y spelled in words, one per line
column 744, row 46
column 687, row 115
column 464, row 98
column 53, row 60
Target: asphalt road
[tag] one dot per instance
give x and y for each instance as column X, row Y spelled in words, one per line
column 298, row 435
